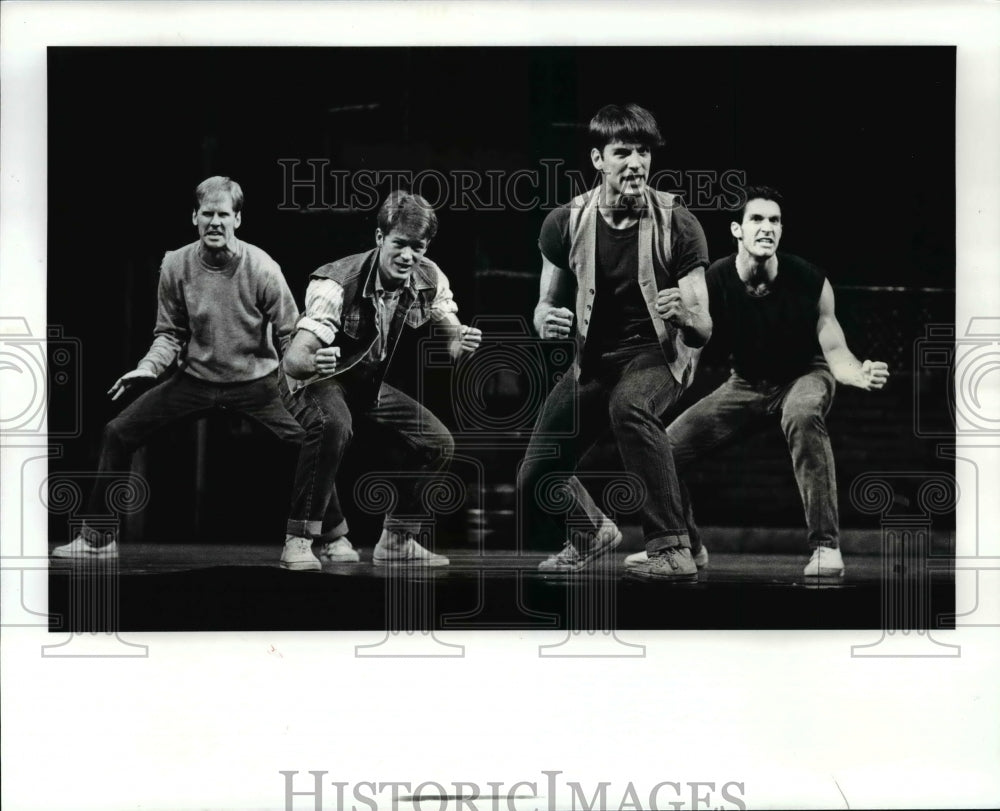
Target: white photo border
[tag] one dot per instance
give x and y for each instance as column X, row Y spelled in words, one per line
column 210, row 720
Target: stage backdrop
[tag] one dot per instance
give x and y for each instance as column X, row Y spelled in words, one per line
column 860, row 141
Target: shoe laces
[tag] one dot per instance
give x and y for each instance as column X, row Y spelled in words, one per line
column 568, row 554
column 669, row 555
column 300, row 544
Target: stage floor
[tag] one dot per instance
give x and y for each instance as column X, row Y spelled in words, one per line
column 186, row 587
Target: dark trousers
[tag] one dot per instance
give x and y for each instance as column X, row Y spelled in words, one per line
column 627, row 391
column 407, row 439
column 178, row 398
column 738, row 408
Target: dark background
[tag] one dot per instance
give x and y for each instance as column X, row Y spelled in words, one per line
column 860, row 141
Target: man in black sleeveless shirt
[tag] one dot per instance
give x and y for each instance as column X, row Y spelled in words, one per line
column 775, row 312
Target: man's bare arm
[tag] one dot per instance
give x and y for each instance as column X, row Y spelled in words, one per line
column 686, row 306
column 300, row 358
column 553, row 318
column 846, row 368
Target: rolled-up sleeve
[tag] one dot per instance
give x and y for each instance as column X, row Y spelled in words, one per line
column 688, row 246
column 444, row 302
column 324, row 308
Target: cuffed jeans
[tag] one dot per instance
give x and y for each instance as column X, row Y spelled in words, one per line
column 405, row 436
column 628, row 390
column 182, row 397
column 738, row 408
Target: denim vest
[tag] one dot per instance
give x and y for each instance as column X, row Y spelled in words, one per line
column 359, row 316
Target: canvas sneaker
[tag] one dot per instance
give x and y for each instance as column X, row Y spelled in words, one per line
column 700, row 559
column 825, row 562
column 80, row 547
column 407, row 553
column 674, row 564
column 571, row 559
column 339, row 551
column 298, row 556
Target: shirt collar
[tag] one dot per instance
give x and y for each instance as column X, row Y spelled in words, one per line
column 374, row 287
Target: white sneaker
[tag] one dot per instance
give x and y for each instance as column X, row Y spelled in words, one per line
column 700, row 560
column 297, row 555
column 339, row 551
column 80, row 547
column 673, row 564
column 570, row 559
column 390, row 551
column 825, row 562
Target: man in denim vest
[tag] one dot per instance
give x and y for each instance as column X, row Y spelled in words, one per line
column 623, row 272
column 355, row 312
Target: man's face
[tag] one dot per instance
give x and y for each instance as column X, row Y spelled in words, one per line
column 216, row 221
column 760, row 231
column 399, row 252
column 625, row 167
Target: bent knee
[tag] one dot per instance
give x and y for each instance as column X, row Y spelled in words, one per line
column 803, row 416
column 330, row 433
column 116, row 431
column 624, row 410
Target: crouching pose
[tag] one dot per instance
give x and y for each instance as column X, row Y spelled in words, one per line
column 355, row 311
column 218, row 299
column 623, row 272
column 775, row 312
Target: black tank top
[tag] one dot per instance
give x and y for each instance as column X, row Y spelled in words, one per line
column 771, row 337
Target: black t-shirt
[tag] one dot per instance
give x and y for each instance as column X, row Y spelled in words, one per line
column 620, row 316
column 771, row 337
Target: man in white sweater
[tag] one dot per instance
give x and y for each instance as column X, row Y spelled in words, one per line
column 217, row 302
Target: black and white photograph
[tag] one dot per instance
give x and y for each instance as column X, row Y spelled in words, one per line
column 698, row 418
column 400, row 413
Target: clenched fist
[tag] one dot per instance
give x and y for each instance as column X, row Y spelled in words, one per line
column 471, row 338
column 670, row 307
column 326, row 359
column 874, row 374
column 557, row 323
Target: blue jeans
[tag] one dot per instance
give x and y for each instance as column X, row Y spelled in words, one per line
column 181, row 397
column 628, row 391
column 738, row 408
column 401, row 433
